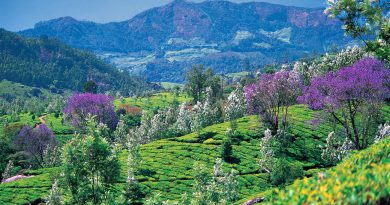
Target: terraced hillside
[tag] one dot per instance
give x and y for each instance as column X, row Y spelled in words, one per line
column 167, row 164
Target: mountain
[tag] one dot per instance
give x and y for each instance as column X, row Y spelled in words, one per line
column 162, row 42
column 48, row 63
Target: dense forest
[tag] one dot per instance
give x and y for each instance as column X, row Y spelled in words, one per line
column 48, row 63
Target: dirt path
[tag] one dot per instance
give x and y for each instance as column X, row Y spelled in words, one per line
column 42, row 119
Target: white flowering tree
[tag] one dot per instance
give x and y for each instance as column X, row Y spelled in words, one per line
column 132, row 192
column 209, row 109
column 266, row 152
column 183, row 123
column 235, row 106
column 55, row 197
column 143, row 130
column 329, row 63
column 221, row 188
column 336, row 148
column 197, row 122
column 158, row 125
column 8, row 170
column 120, row 133
column 384, row 131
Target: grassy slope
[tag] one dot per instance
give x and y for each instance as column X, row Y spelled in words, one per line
column 362, row 178
column 167, row 164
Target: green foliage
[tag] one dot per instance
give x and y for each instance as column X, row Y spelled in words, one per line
column 90, row 87
column 90, row 166
column 227, row 150
column 363, row 178
column 284, row 172
column 198, row 79
column 366, row 20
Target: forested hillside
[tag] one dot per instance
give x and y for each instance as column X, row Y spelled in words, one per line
column 47, row 63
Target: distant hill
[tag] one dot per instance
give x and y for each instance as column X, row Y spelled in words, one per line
column 47, row 63
column 163, row 41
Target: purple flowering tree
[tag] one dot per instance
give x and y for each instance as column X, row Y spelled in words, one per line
column 353, row 96
column 272, row 95
column 35, row 142
column 81, row 106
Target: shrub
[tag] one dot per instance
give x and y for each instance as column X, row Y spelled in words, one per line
column 90, row 166
column 227, row 150
column 284, row 172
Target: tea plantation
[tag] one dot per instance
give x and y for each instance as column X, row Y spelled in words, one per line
column 167, row 165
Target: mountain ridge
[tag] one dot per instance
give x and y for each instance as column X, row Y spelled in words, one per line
column 179, row 34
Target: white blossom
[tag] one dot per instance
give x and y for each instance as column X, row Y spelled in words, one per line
column 384, row 131
column 55, row 195
column 235, row 106
column 183, row 123
column 330, row 63
column 336, row 148
column 266, row 152
column 8, row 169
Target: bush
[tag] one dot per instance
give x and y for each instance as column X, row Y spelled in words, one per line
column 284, row 172
column 227, row 150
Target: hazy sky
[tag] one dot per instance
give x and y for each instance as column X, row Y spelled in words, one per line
column 17, row 15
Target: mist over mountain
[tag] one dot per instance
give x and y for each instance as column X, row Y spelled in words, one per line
column 162, row 42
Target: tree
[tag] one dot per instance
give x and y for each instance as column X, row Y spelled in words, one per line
column 272, row 96
column 227, row 147
column 35, row 142
column 198, row 79
column 90, row 87
column 366, row 20
column 266, row 153
column 8, row 170
column 120, row 133
column 198, row 121
column 235, row 106
column 91, row 166
column 80, row 106
column 132, row 192
column 384, row 131
column 218, row 189
column 54, row 195
column 183, row 123
column 335, row 149
column 284, row 171
column 353, row 96
column 209, row 109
